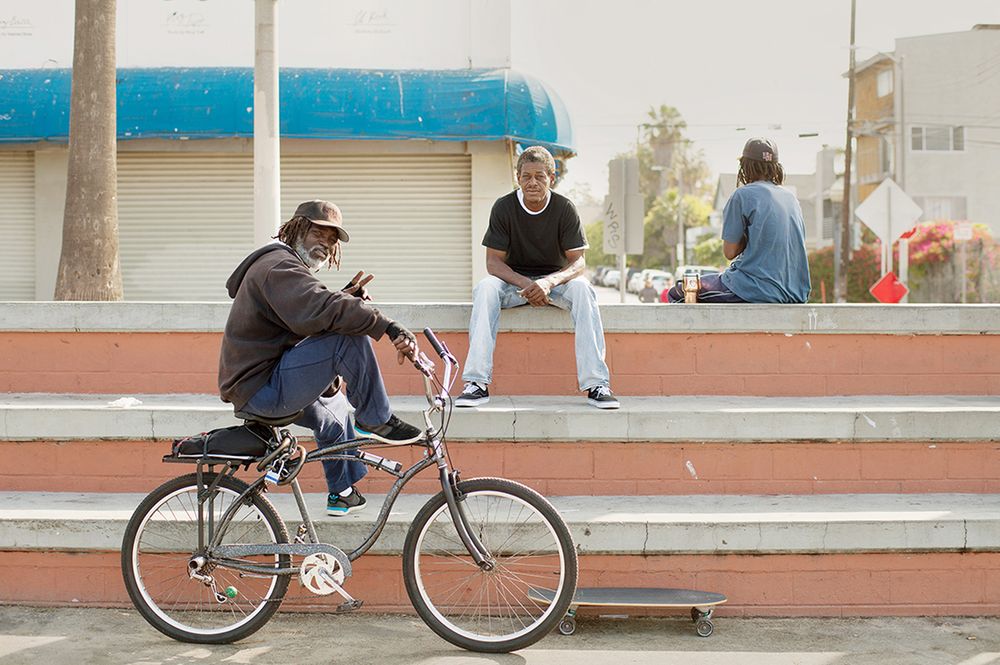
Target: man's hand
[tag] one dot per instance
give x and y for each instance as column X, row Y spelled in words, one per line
column 356, row 287
column 404, row 341
column 537, row 294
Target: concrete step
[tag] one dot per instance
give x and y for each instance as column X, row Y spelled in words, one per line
column 561, row 446
column 732, row 349
column 617, row 525
column 27, row 416
column 849, row 555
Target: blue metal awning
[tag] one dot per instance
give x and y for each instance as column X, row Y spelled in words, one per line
column 335, row 104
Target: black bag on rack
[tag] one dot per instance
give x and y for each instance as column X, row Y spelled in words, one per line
column 248, row 440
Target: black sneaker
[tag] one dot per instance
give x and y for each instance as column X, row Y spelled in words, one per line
column 393, row 431
column 473, row 394
column 602, row 398
column 337, row 505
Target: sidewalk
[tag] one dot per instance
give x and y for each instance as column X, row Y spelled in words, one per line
column 33, row 636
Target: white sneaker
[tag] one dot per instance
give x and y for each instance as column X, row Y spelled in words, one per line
column 473, row 394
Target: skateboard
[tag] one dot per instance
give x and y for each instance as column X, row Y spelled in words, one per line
column 702, row 603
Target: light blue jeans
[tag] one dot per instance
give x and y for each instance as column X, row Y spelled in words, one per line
column 577, row 295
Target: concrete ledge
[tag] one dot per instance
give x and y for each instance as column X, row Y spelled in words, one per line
column 638, row 525
column 454, row 317
column 35, row 416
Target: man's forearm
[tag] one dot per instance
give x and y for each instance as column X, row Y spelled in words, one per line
column 572, row 271
column 501, row 270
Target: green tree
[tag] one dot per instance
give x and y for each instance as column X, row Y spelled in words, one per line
column 708, row 252
column 673, row 177
column 661, row 227
column 595, row 256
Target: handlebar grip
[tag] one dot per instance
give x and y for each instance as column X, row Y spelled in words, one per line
column 429, row 334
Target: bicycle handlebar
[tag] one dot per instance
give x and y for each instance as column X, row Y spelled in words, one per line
column 435, row 343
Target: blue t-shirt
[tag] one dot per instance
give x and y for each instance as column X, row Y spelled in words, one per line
column 773, row 267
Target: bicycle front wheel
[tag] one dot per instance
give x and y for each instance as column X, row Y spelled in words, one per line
column 220, row 604
column 501, row 609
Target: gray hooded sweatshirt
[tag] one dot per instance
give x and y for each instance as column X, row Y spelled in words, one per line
column 278, row 302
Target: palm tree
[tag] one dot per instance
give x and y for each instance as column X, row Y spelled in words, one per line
column 88, row 265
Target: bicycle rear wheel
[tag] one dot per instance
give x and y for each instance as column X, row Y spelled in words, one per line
column 491, row 611
column 162, row 538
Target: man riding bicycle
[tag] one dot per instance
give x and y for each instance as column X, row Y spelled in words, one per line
column 291, row 344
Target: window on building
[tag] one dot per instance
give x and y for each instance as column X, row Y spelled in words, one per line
column 937, row 138
column 942, row 207
column 886, row 154
column 883, row 82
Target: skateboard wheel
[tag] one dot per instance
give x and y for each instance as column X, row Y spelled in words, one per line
column 704, row 627
column 701, row 614
column 567, row 626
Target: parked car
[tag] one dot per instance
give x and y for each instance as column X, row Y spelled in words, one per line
column 701, row 270
column 637, row 280
column 612, row 278
column 597, row 277
column 662, row 284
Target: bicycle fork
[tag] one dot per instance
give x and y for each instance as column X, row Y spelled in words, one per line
column 454, row 499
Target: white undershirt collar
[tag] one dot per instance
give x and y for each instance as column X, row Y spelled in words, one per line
column 520, row 199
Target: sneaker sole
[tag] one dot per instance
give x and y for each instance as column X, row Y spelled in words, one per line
column 603, row 405
column 471, row 402
column 336, row 512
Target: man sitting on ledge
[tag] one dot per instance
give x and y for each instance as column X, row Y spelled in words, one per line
column 534, row 254
column 762, row 234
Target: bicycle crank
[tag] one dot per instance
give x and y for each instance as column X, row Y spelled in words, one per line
column 321, row 574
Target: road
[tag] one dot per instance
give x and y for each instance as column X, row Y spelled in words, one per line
column 606, row 296
column 78, row 636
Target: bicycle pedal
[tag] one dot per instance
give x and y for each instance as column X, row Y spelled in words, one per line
column 349, row 606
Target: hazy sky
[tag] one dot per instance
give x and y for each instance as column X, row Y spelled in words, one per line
column 724, row 64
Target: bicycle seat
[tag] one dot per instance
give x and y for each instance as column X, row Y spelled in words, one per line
column 273, row 422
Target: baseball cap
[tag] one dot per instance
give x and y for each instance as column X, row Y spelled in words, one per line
column 760, row 149
column 323, row 213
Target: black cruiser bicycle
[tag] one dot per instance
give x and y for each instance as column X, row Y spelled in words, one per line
column 207, row 559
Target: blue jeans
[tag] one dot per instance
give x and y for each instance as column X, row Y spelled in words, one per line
column 304, row 372
column 577, row 295
column 712, row 290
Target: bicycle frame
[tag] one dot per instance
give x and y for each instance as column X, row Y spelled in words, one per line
column 436, row 454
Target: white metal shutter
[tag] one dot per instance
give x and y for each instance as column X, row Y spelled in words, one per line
column 185, row 222
column 17, row 226
column 409, row 217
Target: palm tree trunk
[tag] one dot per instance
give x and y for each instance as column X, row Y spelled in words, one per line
column 88, row 265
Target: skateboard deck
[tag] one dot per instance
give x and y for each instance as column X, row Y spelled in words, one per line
column 701, row 603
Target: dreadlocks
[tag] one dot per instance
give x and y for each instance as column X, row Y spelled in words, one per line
column 752, row 170
column 294, row 231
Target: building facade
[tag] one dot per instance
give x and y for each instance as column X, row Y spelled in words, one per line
column 414, row 143
column 926, row 116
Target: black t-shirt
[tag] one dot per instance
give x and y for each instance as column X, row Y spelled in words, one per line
column 535, row 244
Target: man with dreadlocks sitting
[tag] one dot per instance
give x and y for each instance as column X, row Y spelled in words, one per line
column 289, row 340
column 762, row 233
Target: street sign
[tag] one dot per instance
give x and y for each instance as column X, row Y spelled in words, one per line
column 889, row 289
column 888, row 211
column 963, row 231
column 623, row 210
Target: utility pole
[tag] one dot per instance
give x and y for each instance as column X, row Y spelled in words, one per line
column 844, row 247
column 904, row 243
column 266, row 124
